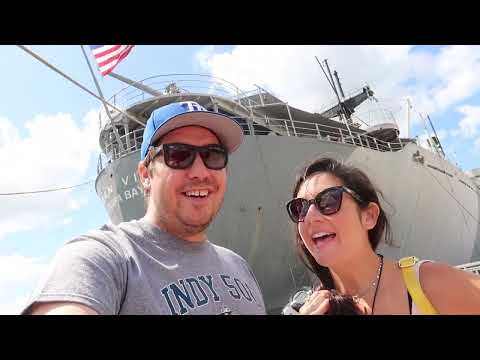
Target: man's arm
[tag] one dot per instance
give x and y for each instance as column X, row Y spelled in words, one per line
column 61, row 308
column 87, row 276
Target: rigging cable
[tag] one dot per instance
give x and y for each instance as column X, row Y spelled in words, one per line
column 45, row 190
column 453, row 196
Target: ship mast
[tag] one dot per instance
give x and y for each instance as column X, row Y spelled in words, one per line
column 338, row 83
column 344, row 114
column 345, row 106
column 409, row 106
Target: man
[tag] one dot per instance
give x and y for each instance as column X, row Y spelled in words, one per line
column 162, row 263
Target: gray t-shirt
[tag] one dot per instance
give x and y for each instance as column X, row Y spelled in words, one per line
column 136, row 268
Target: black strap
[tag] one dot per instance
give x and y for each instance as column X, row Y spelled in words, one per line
column 409, row 302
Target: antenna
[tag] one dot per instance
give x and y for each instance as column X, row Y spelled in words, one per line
column 338, row 83
column 433, row 148
column 409, row 106
column 343, row 108
column 437, row 141
column 331, row 80
column 328, row 79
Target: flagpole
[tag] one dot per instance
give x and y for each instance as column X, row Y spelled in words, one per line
column 139, row 85
column 43, row 61
column 117, row 135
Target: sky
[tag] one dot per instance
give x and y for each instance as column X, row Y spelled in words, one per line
column 49, row 127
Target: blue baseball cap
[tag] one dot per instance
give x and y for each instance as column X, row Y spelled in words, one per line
column 187, row 113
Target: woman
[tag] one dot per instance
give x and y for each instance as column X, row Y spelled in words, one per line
column 337, row 237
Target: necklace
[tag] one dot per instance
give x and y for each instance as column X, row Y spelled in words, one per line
column 375, row 281
column 378, row 282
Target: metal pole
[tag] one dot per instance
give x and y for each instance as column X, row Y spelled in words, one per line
column 117, row 136
column 250, row 123
column 286, row 127
column 328, row 79
column 341, row 105
column 348, row 127
column 438, row 140
column 433, row 148
column 127, row 135
column 260, row 95
column 408, row 117
column 291, row 120
column 138, row 84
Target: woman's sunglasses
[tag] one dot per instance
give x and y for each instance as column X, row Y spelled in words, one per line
column 182, row 156
column 328, row 202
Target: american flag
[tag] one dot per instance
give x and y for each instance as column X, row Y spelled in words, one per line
column 108, row 56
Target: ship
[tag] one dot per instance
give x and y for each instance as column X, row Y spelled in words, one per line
column 432, row 204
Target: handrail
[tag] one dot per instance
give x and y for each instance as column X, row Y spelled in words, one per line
column 132, row 141
column 186, row 83
column 198, row 84
column 473, row 267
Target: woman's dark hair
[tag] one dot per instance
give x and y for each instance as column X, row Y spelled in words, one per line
column 339, row 304
column 356, row 180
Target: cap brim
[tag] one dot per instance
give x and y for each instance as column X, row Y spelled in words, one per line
column 225, row 128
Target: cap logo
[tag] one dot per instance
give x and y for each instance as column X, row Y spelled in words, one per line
column 192, row 106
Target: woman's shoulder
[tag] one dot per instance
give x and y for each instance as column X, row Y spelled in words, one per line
column 438, row 274
column 432, row 275
column 449, row 289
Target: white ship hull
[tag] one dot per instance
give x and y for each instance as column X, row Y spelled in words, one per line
column 433, row 213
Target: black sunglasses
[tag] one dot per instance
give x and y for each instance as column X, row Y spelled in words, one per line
column 328, row 202
column 182, row 156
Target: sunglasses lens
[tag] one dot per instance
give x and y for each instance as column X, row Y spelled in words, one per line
column 214, row 158
column 182, row 156
column 179, row 156
column 296, row 209
column 329, row 202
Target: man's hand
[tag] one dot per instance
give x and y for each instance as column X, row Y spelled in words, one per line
column 317, row 303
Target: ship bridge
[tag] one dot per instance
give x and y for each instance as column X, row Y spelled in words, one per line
column 259, row 112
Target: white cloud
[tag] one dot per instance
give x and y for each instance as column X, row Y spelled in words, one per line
column 457, row 66
column 66, row 221
column 422, row 141
column 477, row 144
column 470, row 123
column 17, row 269
column 13, row 306
column 55, row 152
column 442, row 134
column 434, row 81
column 8, row 132
column 204, row 55
column 18, row 277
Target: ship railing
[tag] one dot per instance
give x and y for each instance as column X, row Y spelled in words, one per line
column 132, row 141
column 473, row 267
column 172, row 84
column 264, row 97
column 323, row 132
